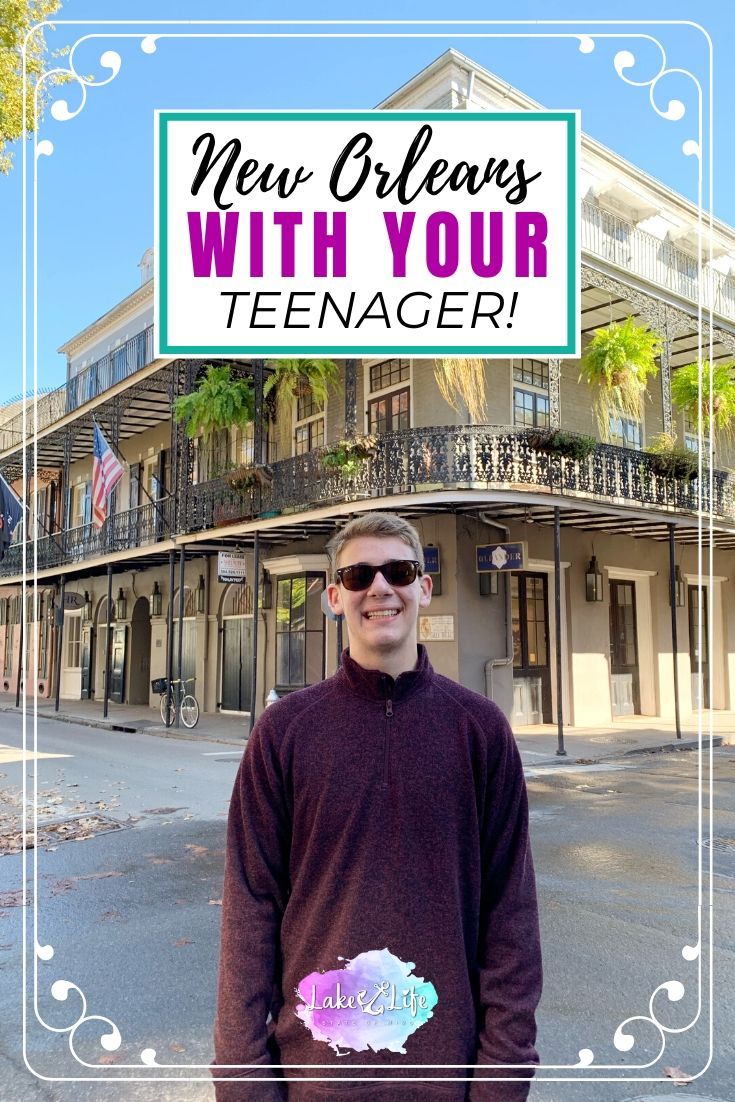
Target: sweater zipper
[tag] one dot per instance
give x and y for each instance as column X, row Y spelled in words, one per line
column 386, row 740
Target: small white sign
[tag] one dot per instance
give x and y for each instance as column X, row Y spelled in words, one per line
column 436, row 629
column 231, row 566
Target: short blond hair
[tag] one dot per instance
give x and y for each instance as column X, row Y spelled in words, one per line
column 375, row 524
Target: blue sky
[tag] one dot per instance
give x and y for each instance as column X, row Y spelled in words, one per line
column 96, row 190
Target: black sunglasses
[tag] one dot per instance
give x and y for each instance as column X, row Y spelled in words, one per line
column 396, row 572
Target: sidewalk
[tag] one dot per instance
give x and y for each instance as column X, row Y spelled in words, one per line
column 629, row 735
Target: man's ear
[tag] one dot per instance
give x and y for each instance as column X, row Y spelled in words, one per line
column 427, row 584
column 334, row 597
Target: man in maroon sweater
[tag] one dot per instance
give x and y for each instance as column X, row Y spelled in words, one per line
column 379, row 924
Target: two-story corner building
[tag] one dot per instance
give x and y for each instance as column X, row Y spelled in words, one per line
column 151, row 573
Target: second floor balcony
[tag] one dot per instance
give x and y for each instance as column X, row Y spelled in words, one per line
column 412, row 461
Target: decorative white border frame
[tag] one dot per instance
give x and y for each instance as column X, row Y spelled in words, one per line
column 623, row 1040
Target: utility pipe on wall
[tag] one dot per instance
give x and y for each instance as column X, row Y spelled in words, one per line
column 494, row 663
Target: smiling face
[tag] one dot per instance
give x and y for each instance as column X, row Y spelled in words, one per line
column 381, row 620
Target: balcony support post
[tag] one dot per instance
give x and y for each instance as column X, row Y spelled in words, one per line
column 108, row 641
column 557, row 606
column 554, row 391
column 674, row 631
column 256, row 617
column 179, row 656
column 666, row 380
column 258, row 434
column 350, row 397
column 170, row 636
column 59, row 648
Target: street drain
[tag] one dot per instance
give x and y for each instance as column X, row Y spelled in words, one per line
column 618, row 740
column 77, row 828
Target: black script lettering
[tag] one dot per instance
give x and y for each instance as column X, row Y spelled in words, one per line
column 265, row 180
column 356, row 147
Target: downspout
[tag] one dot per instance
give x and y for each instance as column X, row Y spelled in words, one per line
column 494, row 663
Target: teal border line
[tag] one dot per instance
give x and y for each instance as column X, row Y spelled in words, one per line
column 165, row 117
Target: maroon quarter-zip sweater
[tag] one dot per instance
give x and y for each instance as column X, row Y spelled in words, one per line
column 379, row 899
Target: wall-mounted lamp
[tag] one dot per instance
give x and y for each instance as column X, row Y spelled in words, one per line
column 121, row 606
column 155, row 601
column 266, row 591
column 679, row 588
column 593, row 581
column 201, row 595
column 87, row 606
column 489, row 583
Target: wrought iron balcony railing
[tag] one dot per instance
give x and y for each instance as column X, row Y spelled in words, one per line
column 480, row 456
column 104, row 373
column 133, row 528
column 411, row 461
column 620, row 243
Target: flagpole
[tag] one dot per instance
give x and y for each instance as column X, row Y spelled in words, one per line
column 119, row 454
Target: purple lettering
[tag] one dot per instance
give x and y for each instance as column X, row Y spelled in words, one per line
column 531, row 229
column 212, row 244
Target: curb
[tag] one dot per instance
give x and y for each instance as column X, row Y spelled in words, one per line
column 127, row 728
column 662, row 748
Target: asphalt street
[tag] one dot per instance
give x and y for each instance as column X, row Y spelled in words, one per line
column 130, row 907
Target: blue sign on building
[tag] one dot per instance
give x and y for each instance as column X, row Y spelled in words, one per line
column 501, row 556
column 432, row 563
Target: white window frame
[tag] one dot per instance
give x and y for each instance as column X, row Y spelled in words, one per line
column 370, row 395
column 73, row 640
column 530, row 388
column 304, row 421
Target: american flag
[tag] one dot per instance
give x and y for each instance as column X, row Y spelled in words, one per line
column 106, row 473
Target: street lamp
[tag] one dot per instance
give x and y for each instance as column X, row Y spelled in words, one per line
column 201, row 595
column 156, row 601
column 121, row 606
column 87, row 606
column 593, row 581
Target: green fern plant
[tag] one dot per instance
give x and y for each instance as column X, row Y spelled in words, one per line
column 294, row 378
column 617, row 364
column 685, row 391
column 218, row 402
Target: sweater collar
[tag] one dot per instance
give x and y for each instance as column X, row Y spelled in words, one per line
column 375, row 685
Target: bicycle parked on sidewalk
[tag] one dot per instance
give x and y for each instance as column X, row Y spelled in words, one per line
column 179, row 698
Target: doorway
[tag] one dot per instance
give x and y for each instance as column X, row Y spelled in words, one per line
column 237, row 649
column 531, row 670
column 140, row 653
column 624, row 676
column 698, row 618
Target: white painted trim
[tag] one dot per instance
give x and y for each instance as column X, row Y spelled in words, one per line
column 544, row 564
column 628, row 573
column 296, row 564
column 693, row 579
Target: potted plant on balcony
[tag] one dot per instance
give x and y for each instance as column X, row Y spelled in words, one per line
column 218, row 402
column 571, row 445
column 349, row 455
column 670, row 460
column 685, row 391
column 617, row 364
column 246, row 477
column 294, row 378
